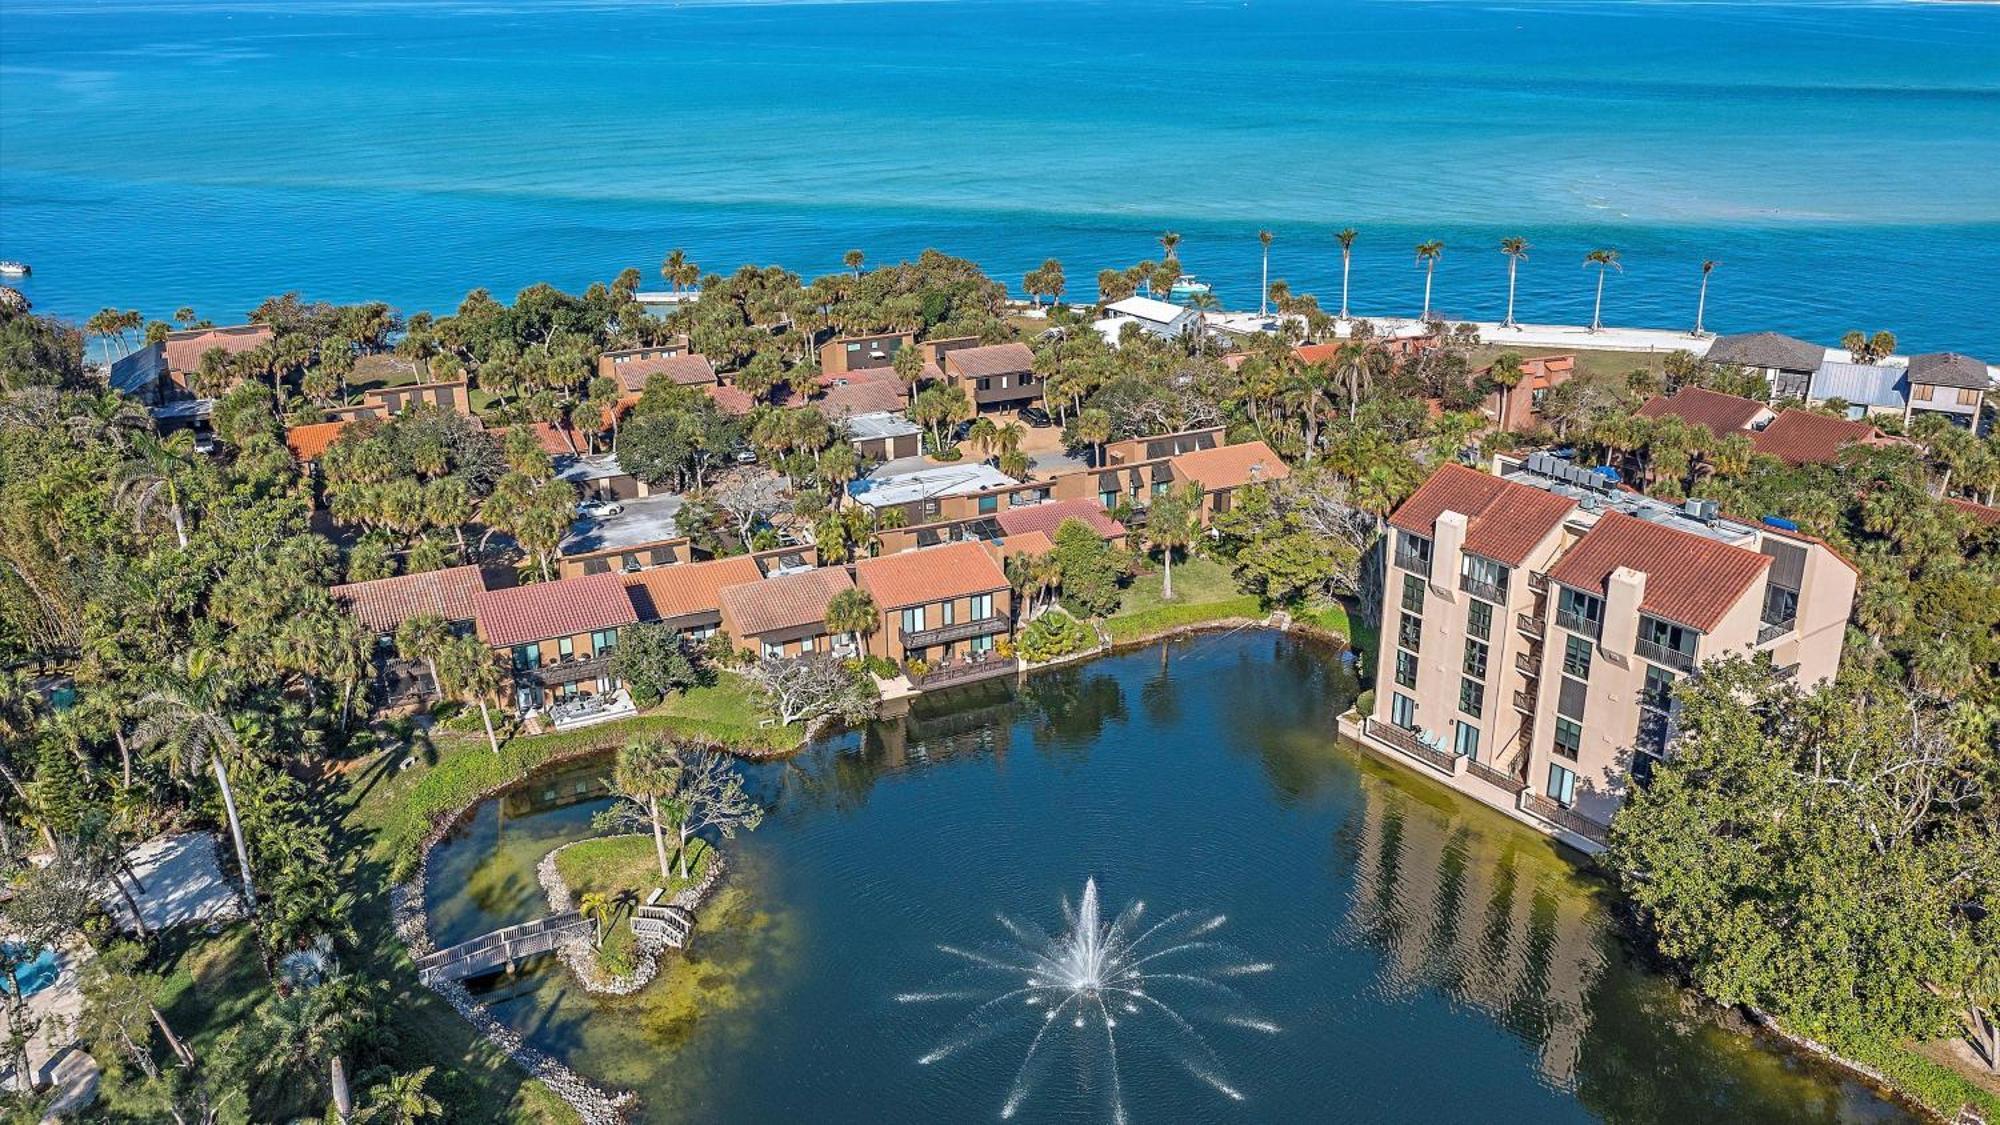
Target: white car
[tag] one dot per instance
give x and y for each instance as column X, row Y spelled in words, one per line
column 599, row 509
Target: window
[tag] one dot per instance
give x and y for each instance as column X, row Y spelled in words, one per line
column 1576, row 657
column 1003, row 382
column 806, row 645
column 1413, row 593
column 1659, row 689
column 1652, row 733
column 773, row 650
column 1968, row 397
column 1569, row 738
column 985, row 384
column 1562, row 785
column 1580, row 612
column 1107, row 499
column 988, row 504
column 1479, row 620
column 1781, row 606
column 948, row 612
column 1482, row 577
column 1471, row 696
column 855, row 347
column 930, row 509
column 1475, row 659
column 1666, row 642
column 913, row 619
column 1406, row 669
column 982, row 606
column 1410, row 633
column 982, row 644
column 527, row 656
column 1467, row 744
column 1403, row 711
column 1413, row 553
column 1570, row 698
column 565, row 648
column 604, row 641
column 1161, row 487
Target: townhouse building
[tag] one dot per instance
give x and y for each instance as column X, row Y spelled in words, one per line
column 555, row 639
column 785, row 615
column 995, row 376
column 945, row 607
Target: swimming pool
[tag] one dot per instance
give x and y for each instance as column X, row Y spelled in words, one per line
column 33, row 975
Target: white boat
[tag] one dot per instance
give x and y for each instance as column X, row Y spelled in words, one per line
column 12, row 268
column 1187, row 286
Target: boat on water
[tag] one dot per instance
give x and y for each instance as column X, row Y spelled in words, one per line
column 11, row 268
column 1187, row 287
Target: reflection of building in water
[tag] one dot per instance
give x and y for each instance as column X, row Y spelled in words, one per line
column 1487, row 920
column 557, row 789
column 980, row 721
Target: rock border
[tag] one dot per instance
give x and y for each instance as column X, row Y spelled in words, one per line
column 578, row 953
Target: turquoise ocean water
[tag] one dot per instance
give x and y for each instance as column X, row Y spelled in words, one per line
column 1841, row 160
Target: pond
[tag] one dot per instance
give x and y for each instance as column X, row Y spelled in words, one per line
column 1364, row 947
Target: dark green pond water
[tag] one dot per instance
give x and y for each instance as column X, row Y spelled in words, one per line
column 1428, row 960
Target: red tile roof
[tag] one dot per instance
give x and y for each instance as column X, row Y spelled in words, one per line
column 1988, row 516
column 1047, row 517
column 307, row 442
column 930, row 574
column 1690, row 578
column 872, row 397
column 1799, row 437
column 1721, row 414
column 730, row 399
column 385, row 603
column 185, row 349
column 1504, row 520
column 788, row 601
column 684, row 370
column 1035, row 543
column 993, row 359
column 566, row 607
column 1230, row 466
column 557, row 441
column 865, row 375
column 666, row 592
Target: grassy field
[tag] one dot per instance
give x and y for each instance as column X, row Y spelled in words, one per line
column 1204, row 590
column 1614, row 364
column 627, row 863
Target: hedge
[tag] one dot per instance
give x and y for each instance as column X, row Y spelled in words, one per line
column 1132, row 626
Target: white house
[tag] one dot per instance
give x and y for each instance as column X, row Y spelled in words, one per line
column 1160, row 318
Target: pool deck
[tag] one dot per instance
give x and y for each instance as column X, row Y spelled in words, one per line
column 183, row 883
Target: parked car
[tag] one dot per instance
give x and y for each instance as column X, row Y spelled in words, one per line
column 599, row 509
column 746, row 456
column 1037, row 417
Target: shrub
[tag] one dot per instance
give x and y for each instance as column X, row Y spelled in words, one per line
column 1055, row 634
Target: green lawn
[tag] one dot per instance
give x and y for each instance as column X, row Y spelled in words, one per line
column 627, row 863
column 1204, row 590
column 1614, row 364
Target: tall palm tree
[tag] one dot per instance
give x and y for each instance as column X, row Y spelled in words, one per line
column 1170, row 246
column 1701, row 305
column 1507, row 373
column 674, row 268
column 401, row 1100
column 596, row 908
column 1605, row 260
column 648, row 773
column 854, row 258
column 1170, row 524
column 1516, row 249
column 467, row 671
column 1428, row 254
column 187, row 713
column 852, row 611
column 424, row 638
column 1094, row 426
column 1264, row 290
column 1346, row 239
column 154, row 473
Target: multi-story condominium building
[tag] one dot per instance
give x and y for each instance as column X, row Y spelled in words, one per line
column 1537, row 619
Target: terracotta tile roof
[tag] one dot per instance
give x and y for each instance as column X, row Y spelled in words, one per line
column 1047, row 517
column 1800, row 437
column 385, row 603
column 1950, row 369
column 730, row 399
column 865, row 375
column 666, row 592
column 993, row 359
column 307, row 442
column 1035, row 543
column 788, row 601
column 185, row 349
column 1690, row 578
column 563, row 608
column 1230, row 466
column 871, row 397
column 1720, row 414
column 931, row 574
column 557, row 441
column 1988, row 516
column 684, row 370
column 1504, row 520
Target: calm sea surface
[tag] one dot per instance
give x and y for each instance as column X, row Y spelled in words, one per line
column 1430, row 961
column 1842, row 160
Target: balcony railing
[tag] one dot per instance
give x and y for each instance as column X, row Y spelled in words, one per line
column 958, row 671
column 1660, row 654
column 1408, row 743
column 1412, row 562
column 1484, row 591
column 572, row 670
column 1491, row 776
column 1531, row 625
column 1524, row 702
column 1577, row 623
column 962, row 631
column 1786, row 672
column 1772, row 630
column 1538, row 581
column 1568, row 819
column 1528, row 662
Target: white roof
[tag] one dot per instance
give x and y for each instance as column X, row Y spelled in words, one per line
column 577, row 470
column 1146, row 308
column 880, row 424
column 949, row 480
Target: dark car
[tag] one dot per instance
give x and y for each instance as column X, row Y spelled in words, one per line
column 1036, row 416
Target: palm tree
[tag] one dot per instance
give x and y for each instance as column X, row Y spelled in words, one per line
column 1263, row 290
column 187, row 712
column 424, row 637
column 1604, row 260
column 1507, row 372
column 1170, row 524
column 674, row 268
column 1170, row 246
column 1701, row 305
column 1094, row 426
column 466, row 671
column 401, row 1100
column 1428, row 254
column 984, row 436
column 1346, row 239
column 1516, row 249
column 596, row 908
column 154, row 473
column 854, row 258
column 648, row 773
column 852, row 611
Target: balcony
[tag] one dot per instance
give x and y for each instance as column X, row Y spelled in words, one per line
column 1484, row 591
column 1524, row 701
column 1410, row 745
column 945, row 634
column 1786, row 672
column 572, row 670
column 1412, row 562
column 1577, row 623
column 1530, row 663
column 1530, row 625
column 1772, row 630
column 1660, row 654
column 1538, row 581
column 964, row 670
column 1491, row 776
column 1569, row 820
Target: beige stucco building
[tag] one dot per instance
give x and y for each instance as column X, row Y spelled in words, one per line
column 1537, row 618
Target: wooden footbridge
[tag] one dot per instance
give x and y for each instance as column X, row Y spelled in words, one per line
column 501, row 948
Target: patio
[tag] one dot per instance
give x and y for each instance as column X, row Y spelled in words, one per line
column 590, row 710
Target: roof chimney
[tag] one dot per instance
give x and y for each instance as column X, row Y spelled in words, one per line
column 1624, row 593
column 1447, row 549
